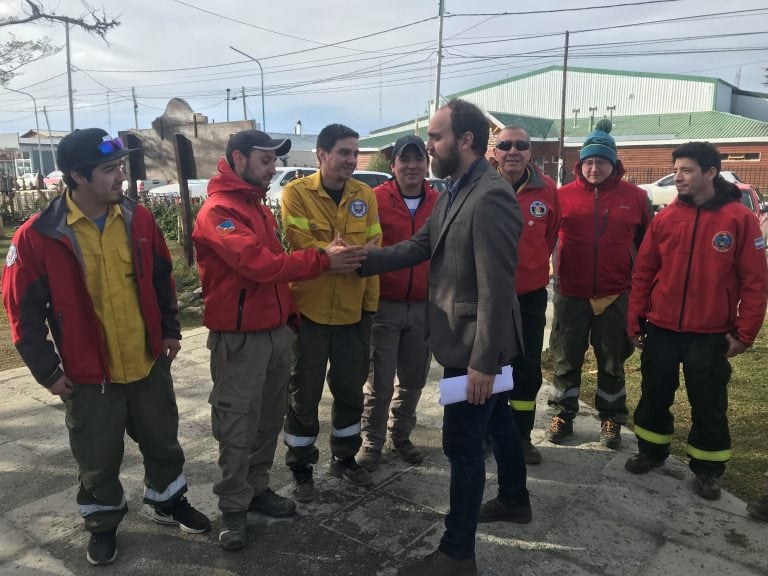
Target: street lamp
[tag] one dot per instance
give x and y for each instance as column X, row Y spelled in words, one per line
column 37, row 127
column 263, row 114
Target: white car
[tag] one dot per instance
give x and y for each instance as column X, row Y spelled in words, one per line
column 198, row 188
column 372, row 179
column 28, row 180
column 664, row 191
column 283, row 175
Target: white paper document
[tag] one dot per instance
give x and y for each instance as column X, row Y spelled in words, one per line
column 455, row 389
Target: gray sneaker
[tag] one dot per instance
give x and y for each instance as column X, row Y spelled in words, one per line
column 233, row 534
column 349, row 468
column 369, row 458
column 272, row 504
column 304, row 489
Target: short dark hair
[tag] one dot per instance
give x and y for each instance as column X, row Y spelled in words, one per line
column 84, row 171
column 332, row 133
column 466, row 117
column 703, row 153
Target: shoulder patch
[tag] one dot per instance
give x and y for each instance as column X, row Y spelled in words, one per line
column 723, row 241
column 358, row 208
column 225, row 228
column 760, row 243
column 10, row 258
column 538, row 209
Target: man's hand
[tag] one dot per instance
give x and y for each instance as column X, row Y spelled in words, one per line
column 344, row 258
column 171, row 347
column 62, row 387
column 479, row 386
column 638, row 340
column 735, row 346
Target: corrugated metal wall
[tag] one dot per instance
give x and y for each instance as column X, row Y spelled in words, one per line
column 751, row 107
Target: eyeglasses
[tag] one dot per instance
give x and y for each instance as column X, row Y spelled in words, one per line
column 507, row 145
column 110, row 145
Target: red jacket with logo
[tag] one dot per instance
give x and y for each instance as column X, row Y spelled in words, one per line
column 44, row 288
column 244, row 269
column 600, row 231
column 702, row 269
column 541, row 219
column 408, row 284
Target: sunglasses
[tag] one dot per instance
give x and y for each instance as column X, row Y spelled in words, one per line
column 110, row 145
column 507, row 145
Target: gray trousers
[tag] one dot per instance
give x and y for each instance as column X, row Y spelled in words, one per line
column 399, row 348
column 575, row 326
column 250, row 372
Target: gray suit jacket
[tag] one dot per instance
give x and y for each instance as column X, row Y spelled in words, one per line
column 474, row 315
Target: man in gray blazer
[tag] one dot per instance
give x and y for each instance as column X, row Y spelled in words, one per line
column 474, row 327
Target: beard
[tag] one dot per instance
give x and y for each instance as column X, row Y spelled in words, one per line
column 446, row 166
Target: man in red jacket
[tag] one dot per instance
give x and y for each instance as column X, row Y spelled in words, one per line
column 698, row 298
column 94, row 269
column 399, row 334
column 536, row 194
column 602, row 221
column 250, row 314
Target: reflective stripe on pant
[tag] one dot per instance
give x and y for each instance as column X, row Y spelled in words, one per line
column 574, row 328
column 707, row 372
column 347, row 348
column 527, row 366
column 97, row 422
column 399, row 347
column 250, row 372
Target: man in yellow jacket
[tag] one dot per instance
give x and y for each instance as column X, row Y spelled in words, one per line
column 336, row 310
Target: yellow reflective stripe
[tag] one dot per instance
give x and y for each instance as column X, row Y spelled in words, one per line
column 373, row 230
column 652, row 437
column 719, row 456
column 523, row 405
column 296, row 222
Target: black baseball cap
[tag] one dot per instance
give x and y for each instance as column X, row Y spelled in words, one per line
column 248, row 140
column 88, row 147
column 404, row 142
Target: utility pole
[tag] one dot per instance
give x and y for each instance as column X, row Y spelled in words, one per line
column 135, row 109
column 245, row 110
column 109, row 114
column 441, row 12
column 261, row 71
column 228, row 98
column 562, row 114
column 50, row 139
column 69, row 81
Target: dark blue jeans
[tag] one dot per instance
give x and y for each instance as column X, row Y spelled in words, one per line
column 464, row 427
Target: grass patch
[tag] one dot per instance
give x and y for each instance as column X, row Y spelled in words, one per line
column 747, row 412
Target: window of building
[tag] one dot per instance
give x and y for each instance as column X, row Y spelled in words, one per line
column 741, row 157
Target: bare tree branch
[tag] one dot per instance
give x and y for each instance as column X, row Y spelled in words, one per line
column 92, row 21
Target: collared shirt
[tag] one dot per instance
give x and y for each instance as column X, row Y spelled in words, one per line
column 111, row 282
column 454, row 187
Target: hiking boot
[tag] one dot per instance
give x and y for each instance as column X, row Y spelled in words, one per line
column 707, row 487
column 102, row 548
column 495, row 510
column 531, row 453
column 641, row 464
column 272, row 504
column 369, row 458
column 304, row 490
column 758, row 509
column 406, row 451
column 610, row 434
column 233, row 534
column 438, row 564
column 348, row 468
column 180, row 513
column 559, row 428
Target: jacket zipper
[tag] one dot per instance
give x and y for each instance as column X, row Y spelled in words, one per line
column 277, row 291
column 597, row 242
column 410, row 270
column 688, row 271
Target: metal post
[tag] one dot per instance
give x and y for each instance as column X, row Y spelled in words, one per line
column 50, row 139
column 245, row 109
column 610, row 111
column 562, row 114
column 135, row 109
column 592, row 110
column 441, row 11
column 37, row 127
column 69, row 82
column 228, row 98
column 261, row 70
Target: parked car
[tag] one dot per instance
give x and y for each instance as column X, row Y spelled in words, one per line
column 664, row 191
column 198, row 188
column 53, row 180
column 753, row 199
column 371, row 178
column 144, row 186
column 439, row 184
column 283, row 175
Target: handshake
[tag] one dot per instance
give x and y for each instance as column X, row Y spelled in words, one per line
column 345, row 257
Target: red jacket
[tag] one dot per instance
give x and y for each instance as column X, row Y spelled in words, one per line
column 408, row 284
column 541, row 218
column 702, row 269
column 44, row 282
column 600, row 230
column 243, row 267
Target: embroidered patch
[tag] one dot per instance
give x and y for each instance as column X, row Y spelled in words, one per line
column 723, row 241
column 538, row 209
column 226, row 227
column 10, row 259
column 358, row 208
column 759, row 243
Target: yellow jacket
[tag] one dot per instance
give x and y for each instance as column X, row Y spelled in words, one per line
column 312, row 219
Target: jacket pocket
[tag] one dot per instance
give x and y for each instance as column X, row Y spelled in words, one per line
column 354, row 231
column 465, row 309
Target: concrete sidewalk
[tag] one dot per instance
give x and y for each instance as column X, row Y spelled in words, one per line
column 590, row 516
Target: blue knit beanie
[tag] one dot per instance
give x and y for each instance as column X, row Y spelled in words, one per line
column 600, row 143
